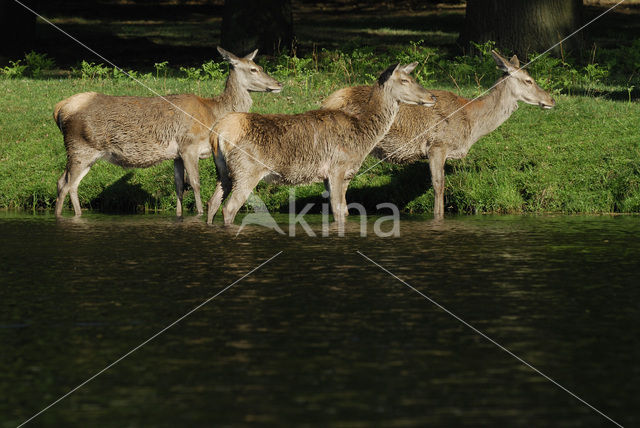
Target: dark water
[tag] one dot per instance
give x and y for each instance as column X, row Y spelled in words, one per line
column 319, row 336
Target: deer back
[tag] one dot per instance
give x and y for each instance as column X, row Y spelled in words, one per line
column 132, row 131
column 416, row 128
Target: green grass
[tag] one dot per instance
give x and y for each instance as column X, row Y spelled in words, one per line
column 582, row 156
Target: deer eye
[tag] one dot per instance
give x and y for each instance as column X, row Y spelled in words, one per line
column 404, row 81
column 529, row 82
column 254, row 70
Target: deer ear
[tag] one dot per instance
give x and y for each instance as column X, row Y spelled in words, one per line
column 515, row 61
column 385, row 75
column 410, row 67
column 252, row 55
column 502, row 63
column 228, row 56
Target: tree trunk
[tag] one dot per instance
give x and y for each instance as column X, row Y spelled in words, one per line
column 17, row 29
column 263, row 24
column 522, row 26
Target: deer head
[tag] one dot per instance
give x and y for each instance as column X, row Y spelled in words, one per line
column 522, row 85
column 250, row 75
column 403, row 87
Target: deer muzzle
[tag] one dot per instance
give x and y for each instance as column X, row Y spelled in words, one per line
column 548, row 105
column 429, row 101
column 275, row 88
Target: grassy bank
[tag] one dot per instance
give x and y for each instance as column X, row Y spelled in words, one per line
column 582, row 156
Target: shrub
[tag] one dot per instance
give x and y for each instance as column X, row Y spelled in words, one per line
column 91, row 71
column 37, row 63
column 15, row 69
column 32, row 65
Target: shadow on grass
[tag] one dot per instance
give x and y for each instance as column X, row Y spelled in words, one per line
column 613, row 95
column 137, row 51
column 132, row 35
column 379, row 31
column 124, row 197
column 406, row 183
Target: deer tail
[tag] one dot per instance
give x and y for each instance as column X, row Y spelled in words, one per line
column 56, row 113
column 214, row 141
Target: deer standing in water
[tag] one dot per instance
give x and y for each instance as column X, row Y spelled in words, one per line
column 319, row 145
column 452, row 126
column 139, row 132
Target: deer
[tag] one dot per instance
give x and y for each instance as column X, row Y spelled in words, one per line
column 318, row 145
column 139, row 132
column 452, row 126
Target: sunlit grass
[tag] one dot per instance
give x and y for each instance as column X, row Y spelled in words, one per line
column 582, row 156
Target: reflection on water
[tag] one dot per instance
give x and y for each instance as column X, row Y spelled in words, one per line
column 319, row 336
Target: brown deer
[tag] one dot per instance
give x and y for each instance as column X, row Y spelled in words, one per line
column 448, row 130
column 138, row 132
column 319, row 145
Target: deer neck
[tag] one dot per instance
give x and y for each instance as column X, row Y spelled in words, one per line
column 489, row 112
column 235, row 97
column 376, row 120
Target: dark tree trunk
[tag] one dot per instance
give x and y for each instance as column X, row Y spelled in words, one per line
column 17, row 29
column 263, row 24
column 522, row 26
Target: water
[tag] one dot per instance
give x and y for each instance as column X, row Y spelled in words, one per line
column 319, row 336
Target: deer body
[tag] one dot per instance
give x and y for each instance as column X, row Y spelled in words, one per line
column 319, row 145
column 134, row 132
column 454, row 121
column 139, row 132
column 452, row 126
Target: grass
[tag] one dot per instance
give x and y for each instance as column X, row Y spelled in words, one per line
column 582, row 156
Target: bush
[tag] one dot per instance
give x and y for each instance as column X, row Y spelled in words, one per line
column 624, row 61
column 33, row 66
column 14, row 70
column 37, row 63
column 92, row 71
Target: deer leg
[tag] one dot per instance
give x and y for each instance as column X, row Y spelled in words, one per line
column 344, row 197
column 223, row 188
column 240, row 191
column 219, row 195
column 437, row 157
column 62, row 180
column 63, row 189
column 78, row 166
column 190, row 160
column 327, row 188
column 69, row 182
column 338, row 190
column 178, row 174
column 74, row 180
